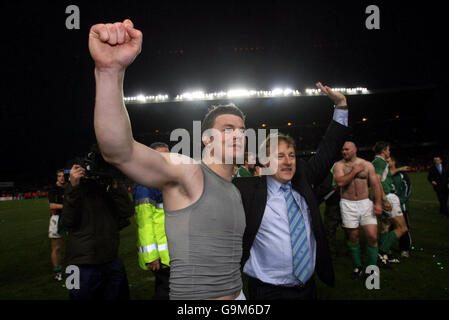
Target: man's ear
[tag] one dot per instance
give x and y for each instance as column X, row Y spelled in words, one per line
column 265, row 165
column 206, row 139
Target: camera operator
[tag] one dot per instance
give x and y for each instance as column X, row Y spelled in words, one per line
column 94, row 209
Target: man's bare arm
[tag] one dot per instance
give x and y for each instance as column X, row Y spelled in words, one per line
column 375, row 184
column 113, row 47
column 55, row 206
column 379, row 178
column 385, row 203
column 396, row 170
column 342, row 179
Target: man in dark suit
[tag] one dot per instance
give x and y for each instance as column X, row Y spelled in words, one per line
column 284, row 240
column 438, row 177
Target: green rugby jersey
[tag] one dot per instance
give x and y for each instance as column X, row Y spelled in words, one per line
column 382, row 168
column 242, row 172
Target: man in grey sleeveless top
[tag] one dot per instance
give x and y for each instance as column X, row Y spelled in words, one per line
column 204, row 213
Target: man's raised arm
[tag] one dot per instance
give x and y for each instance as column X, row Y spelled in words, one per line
column 113, row 47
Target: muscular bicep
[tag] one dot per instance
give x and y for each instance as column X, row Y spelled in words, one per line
column 340, row 178
column 338, row 171
column 379, row 177
column 374, row 178
column 151, row 168
column 375, row 182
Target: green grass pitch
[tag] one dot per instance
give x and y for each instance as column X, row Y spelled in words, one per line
column 26, row 270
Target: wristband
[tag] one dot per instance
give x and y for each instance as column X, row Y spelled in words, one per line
column 341, row 107
column 384, row 199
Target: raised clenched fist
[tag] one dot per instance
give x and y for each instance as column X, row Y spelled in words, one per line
column 114, row 46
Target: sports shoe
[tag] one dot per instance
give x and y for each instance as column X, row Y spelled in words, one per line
column 58, row 276
column 393, row 259
column 383, row 259
column 357, row 273
column 405, row 254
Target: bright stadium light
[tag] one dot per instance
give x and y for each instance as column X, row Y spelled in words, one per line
column 277, row 92
column 287, row 92
column 238, row 93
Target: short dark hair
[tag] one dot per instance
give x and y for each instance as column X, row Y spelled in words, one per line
column 353, row 142
column 155, row 145
column 59, row 170
column 380, row 146
column 393, row 158
column 218, row 110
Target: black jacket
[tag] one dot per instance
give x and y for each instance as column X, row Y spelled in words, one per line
column 308, row 174
column 324, row 190
column 441, row 179
column 92, row 216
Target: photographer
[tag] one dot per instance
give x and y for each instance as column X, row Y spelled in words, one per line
column 94, row 211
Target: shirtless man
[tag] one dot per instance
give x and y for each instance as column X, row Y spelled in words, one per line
column 354, row 176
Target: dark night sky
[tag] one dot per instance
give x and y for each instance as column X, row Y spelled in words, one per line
column 48, row 85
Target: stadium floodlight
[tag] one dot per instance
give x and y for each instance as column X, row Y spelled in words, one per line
column 287, row 92
column 186, row 96
column 277, row 92
column 238, row 93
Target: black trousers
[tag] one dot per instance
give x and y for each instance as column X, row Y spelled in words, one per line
column 258, row 290
column 106, row 281
column 161, row 284
column 442, row 198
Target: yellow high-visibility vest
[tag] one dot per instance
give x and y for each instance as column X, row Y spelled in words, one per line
column 150, row 219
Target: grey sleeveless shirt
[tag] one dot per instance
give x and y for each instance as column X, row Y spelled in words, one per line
column 205, row 242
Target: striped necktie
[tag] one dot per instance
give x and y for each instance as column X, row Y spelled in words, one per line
column 302, row 260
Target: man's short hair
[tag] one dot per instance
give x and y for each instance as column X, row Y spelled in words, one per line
column 218, row 110
column 380, row 146
column 395, row 160
column 59, row 170
column 265, row 146
column 155, row 145
column 353, row 142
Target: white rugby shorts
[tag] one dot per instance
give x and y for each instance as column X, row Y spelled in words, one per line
column 395, row 206
column 53, row 228
column 355, row 213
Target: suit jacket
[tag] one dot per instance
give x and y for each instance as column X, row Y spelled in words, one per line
column 441, row 179
column 308, row 174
